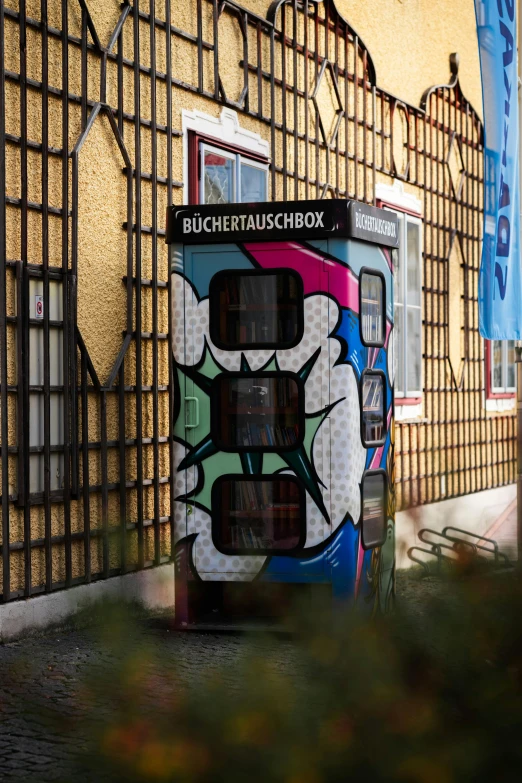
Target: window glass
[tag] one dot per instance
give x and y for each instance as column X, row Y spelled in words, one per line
column 497, row 364
column 373, row 408
column 503, row 368
column 413, row 269
column 258, row 515
column 260, row 309
column 36, row 379
column 253, row 183
column 414, row 350
column 257, row 412
column 229, row 177
column 374, row 510
column 510, row 369
column 372, row 309
column 407, row 287
column 398, row 287
column 218, row 178
column 398, row 329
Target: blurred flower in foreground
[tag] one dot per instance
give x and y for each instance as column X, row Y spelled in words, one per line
column 430, row 698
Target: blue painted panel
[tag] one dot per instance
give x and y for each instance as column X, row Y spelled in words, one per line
column 203, row 261
column 359, row 254
column 336, row 564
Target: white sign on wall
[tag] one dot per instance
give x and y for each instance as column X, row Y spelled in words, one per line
column 39, row 306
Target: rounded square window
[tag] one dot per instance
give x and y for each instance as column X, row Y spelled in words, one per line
column 373, row 523
column 259, row 515
column 257, row 411
column 373, row 408
column 252, row 308
column 372, row 309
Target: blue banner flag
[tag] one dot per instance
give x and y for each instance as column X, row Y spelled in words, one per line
column 500, row 281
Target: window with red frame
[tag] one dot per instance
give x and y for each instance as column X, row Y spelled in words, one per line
column 224, row 174
column 500, row 368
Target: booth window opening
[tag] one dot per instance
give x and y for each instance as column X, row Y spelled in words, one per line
column 260, row 515
column 224, row 174
column 374, row 500
column 500, row 368
column 408, row 310
column 373, row 407
column 373, row 308
column 257, row 412
column 256, row 309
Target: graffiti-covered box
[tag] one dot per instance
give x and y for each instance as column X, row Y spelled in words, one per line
column 281, row 334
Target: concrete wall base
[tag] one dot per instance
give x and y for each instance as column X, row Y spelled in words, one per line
column 153, row 588
column 490, row 513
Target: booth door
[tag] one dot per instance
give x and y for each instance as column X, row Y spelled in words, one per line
column 254, row 425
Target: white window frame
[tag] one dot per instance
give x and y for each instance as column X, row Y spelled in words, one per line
column 225, row 129
column 404, row 219
column 239, row 159
column 504, row 389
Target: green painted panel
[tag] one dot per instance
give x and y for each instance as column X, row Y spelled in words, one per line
column 217, row 465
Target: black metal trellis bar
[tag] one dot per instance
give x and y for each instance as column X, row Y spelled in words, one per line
column 170, row 321
column 137, row 241
column 46, row 299
column 65, row 295
column 85, row 463
column 24, row 464
column 6, row 565
column 155, row 377
column 358, row 151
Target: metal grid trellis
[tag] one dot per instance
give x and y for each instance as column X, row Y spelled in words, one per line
column 305, row 79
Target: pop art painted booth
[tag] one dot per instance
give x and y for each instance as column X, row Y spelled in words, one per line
column 282, row 315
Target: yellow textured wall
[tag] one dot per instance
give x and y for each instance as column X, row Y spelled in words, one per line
column 409, row 42
column 102, row 247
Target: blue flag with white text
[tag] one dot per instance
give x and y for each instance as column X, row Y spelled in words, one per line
column 500, row 280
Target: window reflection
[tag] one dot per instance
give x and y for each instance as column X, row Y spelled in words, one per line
column 253, row 183
column 372, row 309
column 258, row 412
column 259, row 309
column 373, row 408
column 374, row 510
column 258, row 515
column 219, row 174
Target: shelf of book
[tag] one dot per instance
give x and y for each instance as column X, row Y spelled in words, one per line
column 264, row 308
column 268, row 409
column 260, row 411
column 260, row 513
column 256, row 309
column 266, row 512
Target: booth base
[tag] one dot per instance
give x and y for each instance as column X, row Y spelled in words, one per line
column 247, row 606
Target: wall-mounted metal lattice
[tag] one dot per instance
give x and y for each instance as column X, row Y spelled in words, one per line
column 302, row 77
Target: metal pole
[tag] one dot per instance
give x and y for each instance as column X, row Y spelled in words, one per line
column 519, row 454
column 518, row 349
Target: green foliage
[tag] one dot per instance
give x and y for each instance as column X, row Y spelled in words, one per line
column 430, row 697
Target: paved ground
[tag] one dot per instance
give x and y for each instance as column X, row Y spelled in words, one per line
column 43, row 676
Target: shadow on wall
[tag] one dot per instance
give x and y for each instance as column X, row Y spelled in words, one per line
column 483, row 515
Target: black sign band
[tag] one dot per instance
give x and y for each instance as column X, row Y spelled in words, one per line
column 281, row 220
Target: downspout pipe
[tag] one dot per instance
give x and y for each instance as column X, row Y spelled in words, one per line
column 518, row 348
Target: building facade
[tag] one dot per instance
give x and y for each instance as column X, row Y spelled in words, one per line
column 110, row 112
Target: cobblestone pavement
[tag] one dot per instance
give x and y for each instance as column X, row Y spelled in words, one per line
column 41, row 676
